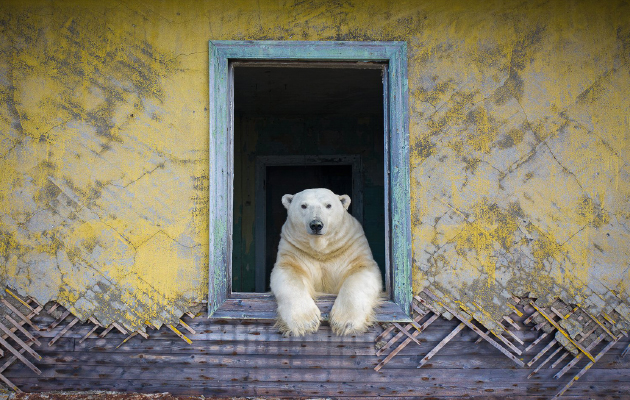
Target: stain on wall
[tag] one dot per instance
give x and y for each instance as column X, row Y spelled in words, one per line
column 103, row 191
column 519, row 135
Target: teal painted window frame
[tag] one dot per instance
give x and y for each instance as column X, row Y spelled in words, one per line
column 222, row 303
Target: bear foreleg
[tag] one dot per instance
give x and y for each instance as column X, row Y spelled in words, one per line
column 353, row 311
column 297, row 312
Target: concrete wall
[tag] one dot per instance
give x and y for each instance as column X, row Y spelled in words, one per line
column 519, row 125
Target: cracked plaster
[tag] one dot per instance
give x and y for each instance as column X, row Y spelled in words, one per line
column 518, row 134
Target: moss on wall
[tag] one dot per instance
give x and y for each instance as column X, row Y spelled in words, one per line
column 519, row 136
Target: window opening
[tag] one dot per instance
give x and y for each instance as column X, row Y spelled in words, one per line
column 299, row 126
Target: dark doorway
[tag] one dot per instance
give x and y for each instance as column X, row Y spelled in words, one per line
column 312, row 110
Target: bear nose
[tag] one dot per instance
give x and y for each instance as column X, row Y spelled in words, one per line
column 316, row 225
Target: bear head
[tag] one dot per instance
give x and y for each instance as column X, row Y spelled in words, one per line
column 315, row 211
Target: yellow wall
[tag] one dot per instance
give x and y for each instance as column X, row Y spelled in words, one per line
column 519, row 119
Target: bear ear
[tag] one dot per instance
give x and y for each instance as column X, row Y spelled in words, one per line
column 286, row 200
column 345, row 201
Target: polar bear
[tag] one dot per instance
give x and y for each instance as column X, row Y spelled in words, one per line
column 323, row 250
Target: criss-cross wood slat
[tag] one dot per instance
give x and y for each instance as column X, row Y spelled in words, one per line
column 547, row 320
column 16, row 315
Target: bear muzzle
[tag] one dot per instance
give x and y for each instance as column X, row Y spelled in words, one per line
column 316, row 227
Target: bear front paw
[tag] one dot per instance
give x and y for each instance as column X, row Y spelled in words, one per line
column 298, row 319
column 349, row 321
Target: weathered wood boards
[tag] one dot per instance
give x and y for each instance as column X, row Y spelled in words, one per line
column 583, row 342
column 248, row 358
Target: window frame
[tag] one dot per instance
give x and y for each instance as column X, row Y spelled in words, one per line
column 222, row 303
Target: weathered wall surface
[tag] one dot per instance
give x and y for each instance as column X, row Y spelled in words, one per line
column 520, row 141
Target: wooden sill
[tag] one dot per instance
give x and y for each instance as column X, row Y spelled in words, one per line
column 262, row 306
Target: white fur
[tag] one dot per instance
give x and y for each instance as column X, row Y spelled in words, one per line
column 337, row 261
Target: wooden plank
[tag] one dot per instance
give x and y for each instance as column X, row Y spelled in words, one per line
column 120, row 328
column 224, row 347
column 220, row 173
column 389, row 276
column 19, row 356
column 426, row 304
column 143, row 334
column 210, row 388
column 577, row 358
column 480, row 339
column 512, row 323
column 516, row 338
column 406, row 333
column 247, row 386
column 559, row 360
column 441, row 361
column 175, row 345
column 384, row 334
column 480, row 333
column 59, row 320
column 309, row 50
column 178, row 333
column 19, row 314
column 187, row 327
column 542, row 352
column 399, row 335
column 329, row 375
column 20, row 328
column 249, row 331
column 566, row 353
column 542, row 364
column 600, row 324
column 127, row 339
column 402, row 361
column 63, row 331
column 16, row 297
column 19, row 341
column 530, row 318
column 418, row 310
column 53, row 308
column 264, row 308
column 562, row 331
column 405, row 343
column 535, row 342
column 508, row 344
column 267, row 374
column 10, row 384
column 87, row 335
column 11, row 360
column 106, row 331
column 443, row 343
column 399, row 195
column 586, row 368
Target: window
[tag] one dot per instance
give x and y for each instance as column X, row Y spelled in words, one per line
column 251, row 84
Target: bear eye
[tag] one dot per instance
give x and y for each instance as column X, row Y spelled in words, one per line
column 328, row 205
column 304, row 206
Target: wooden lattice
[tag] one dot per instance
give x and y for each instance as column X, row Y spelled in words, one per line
column 568, row 347
column 566, row 334
column 20, row 333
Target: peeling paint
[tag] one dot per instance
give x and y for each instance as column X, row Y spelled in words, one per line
column 519, row 148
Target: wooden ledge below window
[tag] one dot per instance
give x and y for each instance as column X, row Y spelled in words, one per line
column 262, row 306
